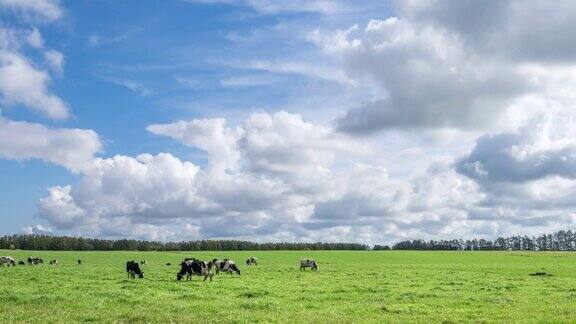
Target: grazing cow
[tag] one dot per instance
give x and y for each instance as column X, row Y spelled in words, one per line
column 308, row 263
column 35, row 261
column 53, row 262
column 168, row 264
column 133, row 270
column 79, row 262
column 226, row 265
column 195, row 267
column 252, row 261
column 21, row 262
column 7, row 260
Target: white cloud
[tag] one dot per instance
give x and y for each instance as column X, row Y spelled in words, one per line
column 209, row 135
column 37, row 230
column 43, row 10
column 272, row 177
column 274, row 7
column 131, row 85
column 247, row 81
column 450, row 64
column 35, row 39
column 428, row 78
column 319, row 71
column 543, row 148
column 71, row 148
column 22, row 83
column 55, row 60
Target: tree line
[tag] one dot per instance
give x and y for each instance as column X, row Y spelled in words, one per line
column 68, row 243
column 557, row 241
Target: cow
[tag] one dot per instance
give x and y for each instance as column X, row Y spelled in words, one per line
column 308, row 263
column 21, row 262
column 226, row 265
column 168, row 264
column 79, row 262
column 195, row 267
column 133, row 270
column 7, row 260
column 53, row 262
column 143, row 262
column 252, row 261
column 35, row 261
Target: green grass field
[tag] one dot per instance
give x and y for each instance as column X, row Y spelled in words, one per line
column 350, row 286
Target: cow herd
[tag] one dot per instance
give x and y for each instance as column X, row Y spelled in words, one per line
column 188, row 268
column 8, row 260
column 195, row 267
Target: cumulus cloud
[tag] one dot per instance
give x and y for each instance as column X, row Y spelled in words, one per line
column 445, row 64
column 271, row 177
column 209, row 135
column 543, row 148
column 71, row 148
column 21, row 83
column 527, row 176
column 37, row 230
column 535, row 31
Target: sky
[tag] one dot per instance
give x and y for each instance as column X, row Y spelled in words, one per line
column 295, row 120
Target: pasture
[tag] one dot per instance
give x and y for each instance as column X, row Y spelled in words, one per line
column 371, row 286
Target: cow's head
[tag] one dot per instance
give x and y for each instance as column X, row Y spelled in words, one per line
column 141, row 275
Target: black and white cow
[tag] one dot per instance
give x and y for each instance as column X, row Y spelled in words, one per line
column 79, row 262
column 35, row 261
column 226, row 265
column 191, row 267
column 53, row 262
column 21, row 262
column 168, row 264
column 133, row 270
column 308, row 263
column 7, row 260
column 252, row 261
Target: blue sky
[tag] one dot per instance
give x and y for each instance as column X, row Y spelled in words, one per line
column 134, row 63
column 285, row 120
